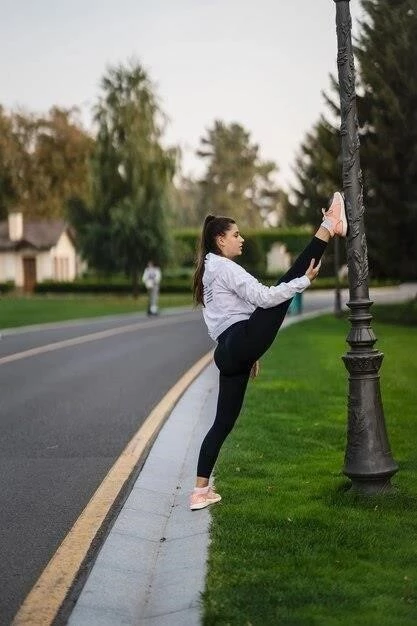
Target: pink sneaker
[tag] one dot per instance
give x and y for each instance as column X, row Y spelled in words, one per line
column 201, row 500
column 335, row 216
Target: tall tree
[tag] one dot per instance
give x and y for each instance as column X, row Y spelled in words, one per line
column 237, row 181
column 387, row 54
column 43, row 161
column 126, row 224
column 318, row 169
column 187, row 210
column 9, row 157
column 61, row 161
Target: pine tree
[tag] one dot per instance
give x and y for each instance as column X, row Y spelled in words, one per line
column 387, row 54
column 318, row 169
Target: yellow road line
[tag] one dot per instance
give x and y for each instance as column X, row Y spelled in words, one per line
column 103, row 334
column 49, row 592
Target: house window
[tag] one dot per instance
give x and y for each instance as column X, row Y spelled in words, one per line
column 61, row 268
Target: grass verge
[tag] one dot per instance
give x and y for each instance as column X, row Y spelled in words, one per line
column 290, row 547
column 41, row 309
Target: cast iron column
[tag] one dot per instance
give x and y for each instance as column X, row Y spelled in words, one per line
column 337, row 294
column 368, row 460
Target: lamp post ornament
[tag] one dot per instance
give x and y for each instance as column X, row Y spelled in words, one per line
column 368, row 460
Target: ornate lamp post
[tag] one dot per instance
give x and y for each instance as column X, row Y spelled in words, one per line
column 368, row 460
column 337, row 294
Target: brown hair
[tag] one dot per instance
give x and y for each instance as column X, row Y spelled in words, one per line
column 213, row 227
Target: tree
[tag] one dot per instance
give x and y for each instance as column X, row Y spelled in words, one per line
column 187, row 211
column 43, row 161
column 387, row 54
column 126, row 224
column 61, row 161
column 318, row 169
column 9, row 156
column 237, row 182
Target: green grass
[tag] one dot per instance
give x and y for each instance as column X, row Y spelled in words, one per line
column 404, row 313
column 40, row 309
column 290, row 546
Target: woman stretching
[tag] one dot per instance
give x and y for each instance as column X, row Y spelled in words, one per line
column 244, row 317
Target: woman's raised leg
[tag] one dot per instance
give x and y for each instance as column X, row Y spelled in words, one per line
column 263, row 325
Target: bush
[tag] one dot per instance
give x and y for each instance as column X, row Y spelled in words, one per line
column 7, row 286
column 253, row 257
column 179, row 283
column 403, row 314
column 257, row 245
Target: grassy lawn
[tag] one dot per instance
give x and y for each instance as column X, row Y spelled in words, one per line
column 290, row 547
column 40, row 309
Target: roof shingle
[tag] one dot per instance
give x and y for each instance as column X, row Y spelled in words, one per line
column 39, row 234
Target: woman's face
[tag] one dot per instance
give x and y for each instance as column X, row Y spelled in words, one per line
column 231, row 242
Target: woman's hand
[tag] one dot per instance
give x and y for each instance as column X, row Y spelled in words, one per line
column 312, row 271
column 255, row 370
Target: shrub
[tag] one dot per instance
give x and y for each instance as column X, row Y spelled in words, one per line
column 7, row 286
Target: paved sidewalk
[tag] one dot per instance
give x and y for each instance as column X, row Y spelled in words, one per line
column 151, row 568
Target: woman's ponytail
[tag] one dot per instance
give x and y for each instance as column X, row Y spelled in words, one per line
column 213, row 227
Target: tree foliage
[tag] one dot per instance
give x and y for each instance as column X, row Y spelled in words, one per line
column 187, row 211
column 237, row 182
column 319, row 173
column 9, row 155
column 44, row 161
column 386, row 52
column 126, row 223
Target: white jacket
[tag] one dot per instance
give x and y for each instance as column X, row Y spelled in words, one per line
column 231, row 294
column 151, row 277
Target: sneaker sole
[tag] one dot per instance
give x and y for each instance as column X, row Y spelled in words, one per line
column 343, row 219
column 202, row 505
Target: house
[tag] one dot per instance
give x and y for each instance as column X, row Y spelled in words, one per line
column 278, row 258
column 32, row 251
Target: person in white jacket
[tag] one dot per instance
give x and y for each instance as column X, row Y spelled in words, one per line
column 152, row 278
column 243, row 317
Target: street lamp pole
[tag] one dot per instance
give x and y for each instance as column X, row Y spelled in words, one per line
column 368, row 460
column 337, row 294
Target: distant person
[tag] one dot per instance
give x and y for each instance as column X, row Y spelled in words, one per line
column 243, row 317
column 151, row 279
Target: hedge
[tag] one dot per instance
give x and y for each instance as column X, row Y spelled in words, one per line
column 295, row 239
column 174, row 285
column 257, row 245
column 7, row 286
column 121, row 287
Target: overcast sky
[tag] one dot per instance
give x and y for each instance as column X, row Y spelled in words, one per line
column 262, row 63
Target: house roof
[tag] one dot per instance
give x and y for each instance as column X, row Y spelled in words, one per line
column 39, row 234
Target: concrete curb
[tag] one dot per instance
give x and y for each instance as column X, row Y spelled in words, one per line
column 152, row 567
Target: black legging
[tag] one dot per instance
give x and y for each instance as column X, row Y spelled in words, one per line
column 239, row 346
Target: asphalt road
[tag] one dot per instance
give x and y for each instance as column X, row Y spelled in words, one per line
column 66, row 415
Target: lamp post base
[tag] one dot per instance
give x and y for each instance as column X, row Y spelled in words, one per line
column 371, row 487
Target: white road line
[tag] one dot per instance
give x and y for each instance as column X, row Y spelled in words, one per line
column 104, row 334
